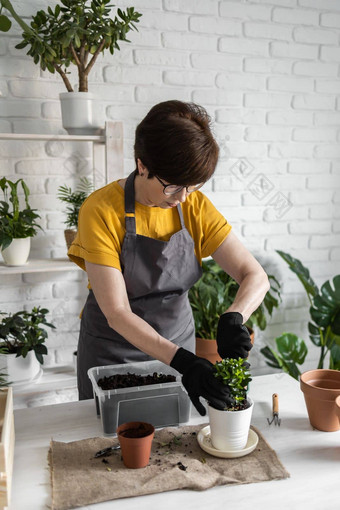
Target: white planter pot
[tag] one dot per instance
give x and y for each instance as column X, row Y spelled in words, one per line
column 16, row 254
column 229, row 429
column 79, row 113
column 19, row 369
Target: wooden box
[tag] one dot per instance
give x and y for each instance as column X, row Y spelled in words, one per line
column 6, row 445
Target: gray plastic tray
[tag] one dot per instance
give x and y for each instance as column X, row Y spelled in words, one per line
column 160, row 404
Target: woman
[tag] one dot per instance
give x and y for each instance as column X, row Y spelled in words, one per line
column 141, row 241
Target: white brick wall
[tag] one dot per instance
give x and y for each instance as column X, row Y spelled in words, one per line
column 268, row 73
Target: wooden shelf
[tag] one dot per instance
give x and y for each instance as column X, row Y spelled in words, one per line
column 40, row 266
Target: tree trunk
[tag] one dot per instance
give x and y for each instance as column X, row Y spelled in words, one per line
column 83, row 81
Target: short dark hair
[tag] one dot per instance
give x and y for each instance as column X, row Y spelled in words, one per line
column 175, row 142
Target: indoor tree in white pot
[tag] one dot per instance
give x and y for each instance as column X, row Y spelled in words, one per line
column 74, row 32
column 17, row 225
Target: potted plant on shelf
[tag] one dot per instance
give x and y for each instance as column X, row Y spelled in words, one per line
column 324, row 326
column 75, row 32
column 17, row 226
column 229, row 428
column 74, row 199
column 209, row 299
column 22, row 341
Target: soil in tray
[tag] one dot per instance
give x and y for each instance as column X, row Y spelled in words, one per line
column 117, row 381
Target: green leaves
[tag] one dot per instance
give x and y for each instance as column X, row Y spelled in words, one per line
column 292, row 352
column 302, row 273
column 24, row 331
column 16, row 223
column 326, row 306
column 73, row 31
column 234, row 373
column 215, row 292
column 75, row 199
column 324, row 331
column 5, row 23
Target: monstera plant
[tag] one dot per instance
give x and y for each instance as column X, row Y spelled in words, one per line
column 324, row 326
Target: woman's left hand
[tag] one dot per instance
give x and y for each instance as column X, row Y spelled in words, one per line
column 233, row 339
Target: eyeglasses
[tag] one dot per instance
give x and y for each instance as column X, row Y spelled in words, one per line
column 172, row 189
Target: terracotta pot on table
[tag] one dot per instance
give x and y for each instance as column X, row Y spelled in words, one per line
column 320, row 388
column 135, row 438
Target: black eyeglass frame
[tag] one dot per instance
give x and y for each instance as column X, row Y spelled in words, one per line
column 179, row 188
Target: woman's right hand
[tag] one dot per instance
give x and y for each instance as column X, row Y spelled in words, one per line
column 199, row 381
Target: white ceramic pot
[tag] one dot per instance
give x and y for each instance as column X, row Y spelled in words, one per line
column 79, row 113
column 19, row 369
column 229, row 429
column 16, row 254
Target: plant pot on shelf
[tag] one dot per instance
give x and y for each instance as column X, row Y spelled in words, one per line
column 320, row 388
column 19, row 369
column 207, row 348
column 79, row 113
column 135, row 438
column 16, row 254
column 229, row 430
column 70, row 236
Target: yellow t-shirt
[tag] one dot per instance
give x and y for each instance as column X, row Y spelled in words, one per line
column 101, row 226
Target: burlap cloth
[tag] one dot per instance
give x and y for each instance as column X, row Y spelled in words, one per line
column 176, row 462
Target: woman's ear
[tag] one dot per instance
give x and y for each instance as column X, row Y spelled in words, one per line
column 142, row 170
column 141, row 167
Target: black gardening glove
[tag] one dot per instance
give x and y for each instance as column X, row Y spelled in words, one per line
column 233, row 340
column 199, row 381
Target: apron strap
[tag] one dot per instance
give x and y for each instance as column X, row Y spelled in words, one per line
column 180, row 214
column 129, row 200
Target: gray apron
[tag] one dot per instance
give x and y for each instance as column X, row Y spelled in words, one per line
column 158, row 275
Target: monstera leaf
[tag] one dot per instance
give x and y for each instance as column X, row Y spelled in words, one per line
column 302, row 273
column 292, row 352
column 326, row 306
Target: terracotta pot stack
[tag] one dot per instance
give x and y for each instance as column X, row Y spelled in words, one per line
column 321, row 388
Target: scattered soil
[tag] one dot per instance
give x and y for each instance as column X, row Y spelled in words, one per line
column 128, row 380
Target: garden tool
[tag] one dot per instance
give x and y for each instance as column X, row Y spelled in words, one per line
column 107, row 451
column 275, row 417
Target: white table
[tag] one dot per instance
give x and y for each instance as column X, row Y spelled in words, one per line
column 311, row 457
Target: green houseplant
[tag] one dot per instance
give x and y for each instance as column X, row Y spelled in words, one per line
column 212, row 295
column 22, row 342
column 74, row 33
column 323, row 327
column 74, row 199
column 229, row 428
column 235, row 373
column 17, row 225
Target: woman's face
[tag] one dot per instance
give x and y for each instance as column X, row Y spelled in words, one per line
column 150, row 191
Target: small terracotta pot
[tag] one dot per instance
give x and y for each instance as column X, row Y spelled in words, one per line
column 70, row 236
column 320, row 388
column 207, row 349
column 135, row 438
column 337, row 407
